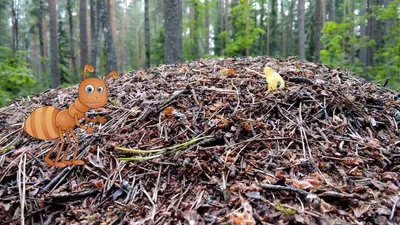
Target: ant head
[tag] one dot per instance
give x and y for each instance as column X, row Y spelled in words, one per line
column 92, row 92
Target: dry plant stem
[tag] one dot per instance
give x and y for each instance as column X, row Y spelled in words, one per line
column 80, row 194
column 394, row 207
column 21, row 185
column 55, row 180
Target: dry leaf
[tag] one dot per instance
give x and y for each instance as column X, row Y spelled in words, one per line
column 99, row 184
column 301, row 184
column 359, row 211
column 326, row 207
column 227, row 72
column 245, row 218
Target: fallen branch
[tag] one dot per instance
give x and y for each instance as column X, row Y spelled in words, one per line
column 80, row 194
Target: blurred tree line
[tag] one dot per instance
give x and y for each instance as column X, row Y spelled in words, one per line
column 45, row 43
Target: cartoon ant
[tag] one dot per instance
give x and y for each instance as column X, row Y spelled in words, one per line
column 50, row 123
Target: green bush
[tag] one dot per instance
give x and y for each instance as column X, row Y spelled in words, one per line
column 16, row 78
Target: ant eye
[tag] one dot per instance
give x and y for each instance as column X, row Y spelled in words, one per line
column 100, row 89
column 89, row 89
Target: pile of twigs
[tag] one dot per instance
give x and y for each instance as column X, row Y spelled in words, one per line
column 203, row 143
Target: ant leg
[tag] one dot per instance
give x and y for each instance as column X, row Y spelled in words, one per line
column 47, row 157
column 63, row 160
column 56, row 163
column 74, row 160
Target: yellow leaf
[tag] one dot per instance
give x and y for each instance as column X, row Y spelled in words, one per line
column 274, row 80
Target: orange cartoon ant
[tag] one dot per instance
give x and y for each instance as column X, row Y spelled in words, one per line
column 50, row 123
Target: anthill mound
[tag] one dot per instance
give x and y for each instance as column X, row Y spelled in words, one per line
column 323, row 150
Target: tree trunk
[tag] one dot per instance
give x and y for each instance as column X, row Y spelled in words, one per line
column 273, row 44
column 83, row 32
column 137, row 48
column 318, row 27
column 363, row 33
column 261, row 38
column 113, row 22
column 155, row 15
column 227, row 16
column 207, row 28
column 302, row 35
column 27, row 41
column 95, row 31
column 268, row 35
column 71, row 37
column 283, row 30
column 40, row 32
column 111, row 63
column 372, row 33
column 55, row 75
column 291, row 37
column 14, row 25
column 196, row 51
column 247, row 26
column 323, row 11
column 147, row 32
column 352, row 49
column 221, row 23
column 122, row 48
column 173, row 32
column 332, row 13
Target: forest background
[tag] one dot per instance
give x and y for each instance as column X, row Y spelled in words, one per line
column 45, row 43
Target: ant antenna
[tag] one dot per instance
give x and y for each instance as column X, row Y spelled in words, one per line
column 89, row 68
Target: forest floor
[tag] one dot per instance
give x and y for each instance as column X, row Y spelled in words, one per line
column 323, row 150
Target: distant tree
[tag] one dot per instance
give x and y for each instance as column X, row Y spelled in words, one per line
column 302, row 35
column 39, row 19
column 173, row 31
column 111, row 63
column 15, row 25
column 83, row 32
column 71, row 37
column 95, row 32
column 272, row 43
column 332, row 13
column 283, row 30
column 147, row 32
column 207, row 27
column 318, row 28
column 137, row 47
column 363, row 32
column 54, row 71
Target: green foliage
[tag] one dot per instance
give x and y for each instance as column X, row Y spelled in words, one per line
column 16, row 77
column 245, row 30
column 337, row 40
column 63, row 52
column 157, row 50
